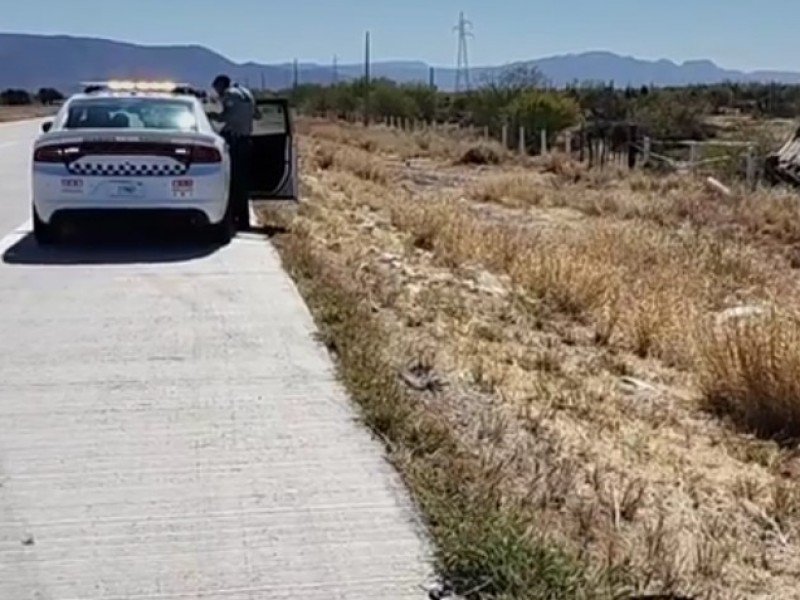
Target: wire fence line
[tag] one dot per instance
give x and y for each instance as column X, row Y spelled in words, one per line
column 733, row 160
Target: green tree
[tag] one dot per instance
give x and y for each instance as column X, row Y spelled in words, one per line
column 387, row 99
column 538, row 110
column 48, row 96
column 672, row 115
column 12, row 97
column 425, row 99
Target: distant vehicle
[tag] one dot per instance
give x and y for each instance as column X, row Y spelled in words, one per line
column 147, row 149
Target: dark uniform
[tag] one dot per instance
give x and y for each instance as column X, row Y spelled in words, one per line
column 239, row 110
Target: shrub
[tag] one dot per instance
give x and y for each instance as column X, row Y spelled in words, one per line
column 480, row 154
column 538, row 110
column 12, row 97
column 48, row 96
column 670, row 116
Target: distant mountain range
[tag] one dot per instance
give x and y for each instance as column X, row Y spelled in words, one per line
column 33, row 61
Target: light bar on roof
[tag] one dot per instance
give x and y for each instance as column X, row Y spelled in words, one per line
column 139, row 86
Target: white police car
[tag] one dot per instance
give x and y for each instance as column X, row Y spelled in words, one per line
column 147, row 149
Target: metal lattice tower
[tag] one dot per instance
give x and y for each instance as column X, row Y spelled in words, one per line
column 462, row 68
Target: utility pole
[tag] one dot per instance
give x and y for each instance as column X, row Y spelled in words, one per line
column 367, row 80
column 462, row 67
column 263, row 83
column 432, row 78
column 296, row 77
column 335, row 69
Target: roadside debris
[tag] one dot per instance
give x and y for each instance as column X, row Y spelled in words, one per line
column 718, row 186
column 422, row 378
column 783, row 166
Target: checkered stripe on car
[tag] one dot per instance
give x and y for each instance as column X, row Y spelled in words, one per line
column 120, row 169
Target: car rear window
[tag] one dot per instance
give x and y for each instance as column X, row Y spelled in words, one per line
column 131, row 113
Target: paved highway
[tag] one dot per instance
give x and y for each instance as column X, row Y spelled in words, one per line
column 170, row 430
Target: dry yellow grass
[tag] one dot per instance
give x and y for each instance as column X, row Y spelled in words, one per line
column 18, row 113
column 575, row 319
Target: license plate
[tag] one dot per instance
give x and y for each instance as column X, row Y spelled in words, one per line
column 182, row 188
column 72, row 186
column 126, row 189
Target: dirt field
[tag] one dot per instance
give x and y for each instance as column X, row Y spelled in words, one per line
column 589, row 379
column 17, row 113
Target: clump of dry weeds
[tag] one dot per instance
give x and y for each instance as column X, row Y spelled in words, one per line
column 749, row 372
column 359, row 162
column 481, row 154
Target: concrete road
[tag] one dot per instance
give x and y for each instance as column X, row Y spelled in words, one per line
column 170, row 430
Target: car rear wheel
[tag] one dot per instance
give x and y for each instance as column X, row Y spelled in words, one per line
column 223, row 232
column 45, row 235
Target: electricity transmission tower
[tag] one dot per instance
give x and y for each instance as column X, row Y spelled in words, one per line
column 464, row 29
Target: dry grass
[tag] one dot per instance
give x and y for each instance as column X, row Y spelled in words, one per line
column 572, row 317
column 425, row 143
column 750, row 373
column 19, row 113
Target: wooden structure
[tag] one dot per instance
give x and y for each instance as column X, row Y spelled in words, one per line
column 783, row 166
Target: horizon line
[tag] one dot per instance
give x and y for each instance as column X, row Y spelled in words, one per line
column 322, row 64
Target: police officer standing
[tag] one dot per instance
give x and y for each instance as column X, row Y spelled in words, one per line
column 239, row 110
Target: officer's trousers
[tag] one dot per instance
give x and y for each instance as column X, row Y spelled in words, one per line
column 240, row 151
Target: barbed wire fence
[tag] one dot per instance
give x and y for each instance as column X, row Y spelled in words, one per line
column 732, row 160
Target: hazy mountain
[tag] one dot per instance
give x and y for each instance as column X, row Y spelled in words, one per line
column 33, row 61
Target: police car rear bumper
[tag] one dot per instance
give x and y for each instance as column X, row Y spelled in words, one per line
column 213, row 210
column 125, row 220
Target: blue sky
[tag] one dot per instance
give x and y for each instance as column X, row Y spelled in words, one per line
column 747, row 34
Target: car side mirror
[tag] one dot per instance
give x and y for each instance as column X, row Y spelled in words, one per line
column 46, row 126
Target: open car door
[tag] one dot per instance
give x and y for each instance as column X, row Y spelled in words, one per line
column 273, row 167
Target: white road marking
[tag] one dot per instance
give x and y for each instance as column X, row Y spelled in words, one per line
column 16, row 235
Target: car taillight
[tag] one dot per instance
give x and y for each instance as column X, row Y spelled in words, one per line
column 56, row 153
column 205, row 154
column 49, row 154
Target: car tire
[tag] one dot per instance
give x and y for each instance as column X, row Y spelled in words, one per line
column 44, row 234
column 223, row 232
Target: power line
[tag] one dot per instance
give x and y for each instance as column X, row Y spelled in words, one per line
column 463, row 28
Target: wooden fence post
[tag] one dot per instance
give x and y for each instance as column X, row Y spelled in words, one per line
column 505, row 135
column 486, row 132
column 751, row 168
column 693, row 156
column 543, row 141
column 568, row 143
column 522, row 149
column 647, row 144
column 632, row 149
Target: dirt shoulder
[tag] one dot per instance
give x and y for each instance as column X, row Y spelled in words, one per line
column 547, row 353
column 20, row 113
